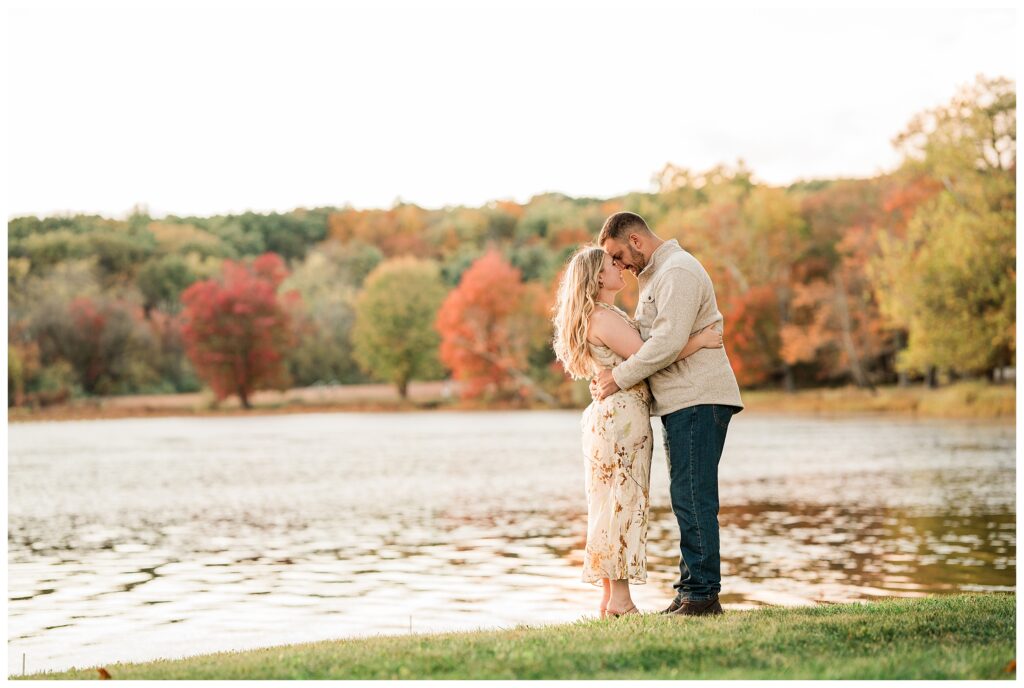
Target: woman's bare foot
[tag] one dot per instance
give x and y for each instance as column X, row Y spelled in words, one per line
column 620, row 601
column 630, row 609
column 607, row 595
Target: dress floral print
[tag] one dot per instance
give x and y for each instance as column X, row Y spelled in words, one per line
column 617, row 448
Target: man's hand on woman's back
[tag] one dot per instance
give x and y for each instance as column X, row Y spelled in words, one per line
column 603, row 385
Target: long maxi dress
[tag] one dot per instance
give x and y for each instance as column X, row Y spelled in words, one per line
column 617, row 448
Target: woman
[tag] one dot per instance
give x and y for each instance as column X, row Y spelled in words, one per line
column 591, row 333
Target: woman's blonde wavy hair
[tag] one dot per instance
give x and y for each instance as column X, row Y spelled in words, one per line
column 577, row 298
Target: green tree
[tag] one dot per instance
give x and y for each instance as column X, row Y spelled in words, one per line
column 44, row 250
column 394, row 334
column 118, row 254
column 950, row 280
column 959, row 273
column 354, row 260
column 328, row 282
column 161, row 282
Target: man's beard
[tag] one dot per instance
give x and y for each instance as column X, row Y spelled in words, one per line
column 638, row 260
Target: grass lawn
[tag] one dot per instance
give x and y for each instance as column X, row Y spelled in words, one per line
column 947, row 637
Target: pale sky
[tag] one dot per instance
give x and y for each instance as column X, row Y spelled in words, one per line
column 203, row 109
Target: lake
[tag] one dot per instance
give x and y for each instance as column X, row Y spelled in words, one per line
column 144, row 538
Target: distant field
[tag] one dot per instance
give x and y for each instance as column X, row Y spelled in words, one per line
column 298, row 400
column 960, row 400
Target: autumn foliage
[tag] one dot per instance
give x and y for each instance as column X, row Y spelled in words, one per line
column 908, row 275
column 102, row 338
column 485, row 325
column 394, row 336
column 237, row 328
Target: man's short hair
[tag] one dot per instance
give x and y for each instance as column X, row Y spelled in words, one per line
column 619, row 225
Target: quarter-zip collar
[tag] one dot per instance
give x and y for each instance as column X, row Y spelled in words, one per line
column 660, row 253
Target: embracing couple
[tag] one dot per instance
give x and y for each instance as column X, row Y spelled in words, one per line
column 668, row 362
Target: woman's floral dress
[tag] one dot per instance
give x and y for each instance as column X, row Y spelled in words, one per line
column 617, row 448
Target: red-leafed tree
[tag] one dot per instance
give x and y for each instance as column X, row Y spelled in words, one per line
column 237, row 328
column 91, row 322
column 104, row 339
column 487, row 325
column 753, row 333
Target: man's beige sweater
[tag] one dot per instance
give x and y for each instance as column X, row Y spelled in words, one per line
column 676, row 301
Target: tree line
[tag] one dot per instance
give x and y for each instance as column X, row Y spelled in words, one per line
column 906, row 276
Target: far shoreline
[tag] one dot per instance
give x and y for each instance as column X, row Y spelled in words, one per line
column 962, row 401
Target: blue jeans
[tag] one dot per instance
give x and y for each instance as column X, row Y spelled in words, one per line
column 694, row 438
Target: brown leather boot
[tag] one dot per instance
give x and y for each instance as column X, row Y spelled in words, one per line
column 697, row 608
column 672, row 607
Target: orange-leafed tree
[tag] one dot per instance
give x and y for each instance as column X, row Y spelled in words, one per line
column 486, row 326
column 398, row 231
column 753, row 333
column 237, row 328
column 748, row 239
column 838, row 326
column 835, row 331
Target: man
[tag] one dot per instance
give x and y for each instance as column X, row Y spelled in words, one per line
column 695, row 397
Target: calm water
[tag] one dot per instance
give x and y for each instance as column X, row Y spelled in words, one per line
column 144, row 538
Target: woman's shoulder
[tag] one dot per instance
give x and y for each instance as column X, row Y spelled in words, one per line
column 599, row 322
column 609, row 321
column 605, row 316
